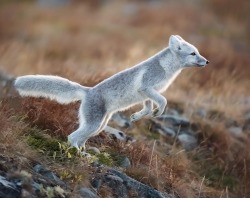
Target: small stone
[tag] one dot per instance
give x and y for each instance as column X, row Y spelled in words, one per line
column 201, row 112
column 8, row 189
column 231, row 123
column 235, row 131
column 188, row 142
column 48, row 174
column 96, row 183
column 247, row 116
column 87, row 193
column 36, row 187
column 166, row 131
column 173, row 112
column 175, row 120
column 125, row 163
column 115, row 178
column 94, row 149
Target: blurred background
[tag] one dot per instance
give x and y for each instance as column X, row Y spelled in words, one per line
column 89, row 40
column 82, row 39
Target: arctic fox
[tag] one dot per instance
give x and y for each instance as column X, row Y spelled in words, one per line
column 142, row 83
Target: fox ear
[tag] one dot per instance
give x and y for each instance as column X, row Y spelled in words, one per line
column 174, row 43
column 179, row 37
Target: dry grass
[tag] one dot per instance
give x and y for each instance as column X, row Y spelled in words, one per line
column 87, row 42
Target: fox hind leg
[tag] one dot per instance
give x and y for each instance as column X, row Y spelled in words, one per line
column 147, row 109
column 92, row 119
column 118, row 134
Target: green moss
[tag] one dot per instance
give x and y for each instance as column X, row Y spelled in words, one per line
column 52, row 147
column 216, row 177
column 105, row 158
column 39, row 141
column 118, row 159
column 154, row 135
column 229, row 181
column 91, row 152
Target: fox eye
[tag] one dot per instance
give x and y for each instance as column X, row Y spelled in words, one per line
column 193, row 54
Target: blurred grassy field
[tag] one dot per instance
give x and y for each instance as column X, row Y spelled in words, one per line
column 83, row 40
column 87, row 41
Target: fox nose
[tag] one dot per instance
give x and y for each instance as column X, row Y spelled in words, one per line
column 207, row 62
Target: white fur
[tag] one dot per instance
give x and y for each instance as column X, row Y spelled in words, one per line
column 142, row 83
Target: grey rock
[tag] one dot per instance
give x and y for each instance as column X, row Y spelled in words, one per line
column 8, row 189
column 175, row 120
column 125, row 163
column 231, row 123
column 115, row 178
column 235, row 131
column 173, row 112
column 187, row 141
column 141, row 189
column 36, row 187
column 166, row 131
column 94, row 149
column 6, row 85
column 246, row 125
column 201, row 112
column 87, row 193
column 96, row 183
column 162, row 129
column 52, row 3
column 117, row 185
column 247, row 116
column 48, row 174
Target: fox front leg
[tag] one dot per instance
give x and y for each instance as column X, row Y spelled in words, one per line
column 157, row 98
column 146, row 110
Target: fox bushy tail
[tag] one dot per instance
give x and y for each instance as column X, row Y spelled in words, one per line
column 53, row 87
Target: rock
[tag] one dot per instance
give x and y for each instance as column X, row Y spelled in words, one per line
column 166, row 131
column 129, row 183
column 231, row 123
column 175, row 120
column 247, row 116
column 117, row 185
column 36, row 187
column 235, row 131
column 96, row 183
column 160, row 128
column 87, row 193
column 201, row 112
column 115, row 178
column 6, row 85
column 52, row 3
column 94, row 149
column 48, row 174
column 246, row 124
column 187, row 141
column 9, row 189
column 125, row 163
column 173, row 112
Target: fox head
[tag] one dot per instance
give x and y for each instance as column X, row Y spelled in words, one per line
column 187, row 54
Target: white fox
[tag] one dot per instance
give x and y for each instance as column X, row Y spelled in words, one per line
column 142, row 83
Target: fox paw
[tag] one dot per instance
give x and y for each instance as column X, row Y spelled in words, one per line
column 134, row 117
column 156, row 112
column 139, row 115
